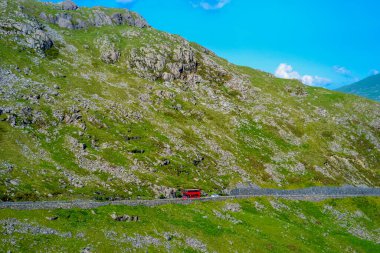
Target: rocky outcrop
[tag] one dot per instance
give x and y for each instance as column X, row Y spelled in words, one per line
column 100, row 19
column 167, row 64
column 129, row 18
column 68, row 5
column 64, row 20
column 97, row 18
column 108, row 52
column 32, row 32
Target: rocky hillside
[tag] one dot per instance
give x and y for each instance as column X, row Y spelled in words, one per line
column 368, row 87
column 254, row 225
column 97, row 104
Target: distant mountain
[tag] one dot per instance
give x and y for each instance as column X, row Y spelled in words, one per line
column 368, row 87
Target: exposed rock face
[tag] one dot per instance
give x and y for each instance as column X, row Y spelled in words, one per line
column 108, row 52
column 69, row 5
column 97, row 18
column 65, row 21
column 166, row 192
column 32, row 32
column 129, row 18
column 166, row 64
column 100, row 19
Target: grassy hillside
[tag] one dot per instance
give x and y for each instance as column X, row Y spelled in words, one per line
column 368, row 87
column 254, row 225
column 112, row 110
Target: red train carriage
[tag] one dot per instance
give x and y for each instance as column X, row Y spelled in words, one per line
column 191, row 194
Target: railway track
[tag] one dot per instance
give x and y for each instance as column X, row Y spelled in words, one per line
column 88, row 204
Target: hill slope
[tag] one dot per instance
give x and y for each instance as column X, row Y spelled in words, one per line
column 97, row 104
column 254, row 225
column 368, row 87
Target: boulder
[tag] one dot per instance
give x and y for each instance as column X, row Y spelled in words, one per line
column 232, row 207
column 110, row 56
column 129, row 18
column 64, row 21
column 108, row 52
column 124, row 217
column 69, row 5
column 52, row 218
column 39, row 40
column 33, row 34
column 101, row 19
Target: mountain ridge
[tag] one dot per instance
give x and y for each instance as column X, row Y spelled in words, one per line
column 368, row 87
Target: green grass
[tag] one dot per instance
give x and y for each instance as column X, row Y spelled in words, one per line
column 258, row 231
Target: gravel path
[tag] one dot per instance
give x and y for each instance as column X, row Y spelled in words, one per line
column 308, row 194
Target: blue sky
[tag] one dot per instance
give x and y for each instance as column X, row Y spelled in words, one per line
column 324, row 43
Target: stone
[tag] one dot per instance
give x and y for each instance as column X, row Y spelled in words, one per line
column 100, row 18
column 196, row 244
column 26, row 71
column 82, row 146
column 52, row 218
column 124, row 217
column 108, row 52
column 86, row 250
column 165, row 162
column 232, row 207
column 64, row 21
column 130, row 18
column 15, row 182
column 69, row 5
column 167, row 77
column 151, row 63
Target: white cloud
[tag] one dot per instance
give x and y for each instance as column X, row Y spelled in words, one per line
column 375, row 72
column 343, row 71
column 287, row 72
column 211, row 4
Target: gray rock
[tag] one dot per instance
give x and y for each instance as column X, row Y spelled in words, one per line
column 40, row 40
column 82, row 146
column 44, row 16
column 15, row 182
column 101, row 19
column 165, row 162
column 80, row 24
column 64, row 21
column 167, row 77
column 124, row 217
column 196, row 244
column 150, row 63
column 108, row 52
column 110, row 56
column 98, row 18
column 52, row 218
column 33, row 34
column 130, row 18
column 232, row 207
column 86, row 250
column 14, row 226
column 69, row 5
